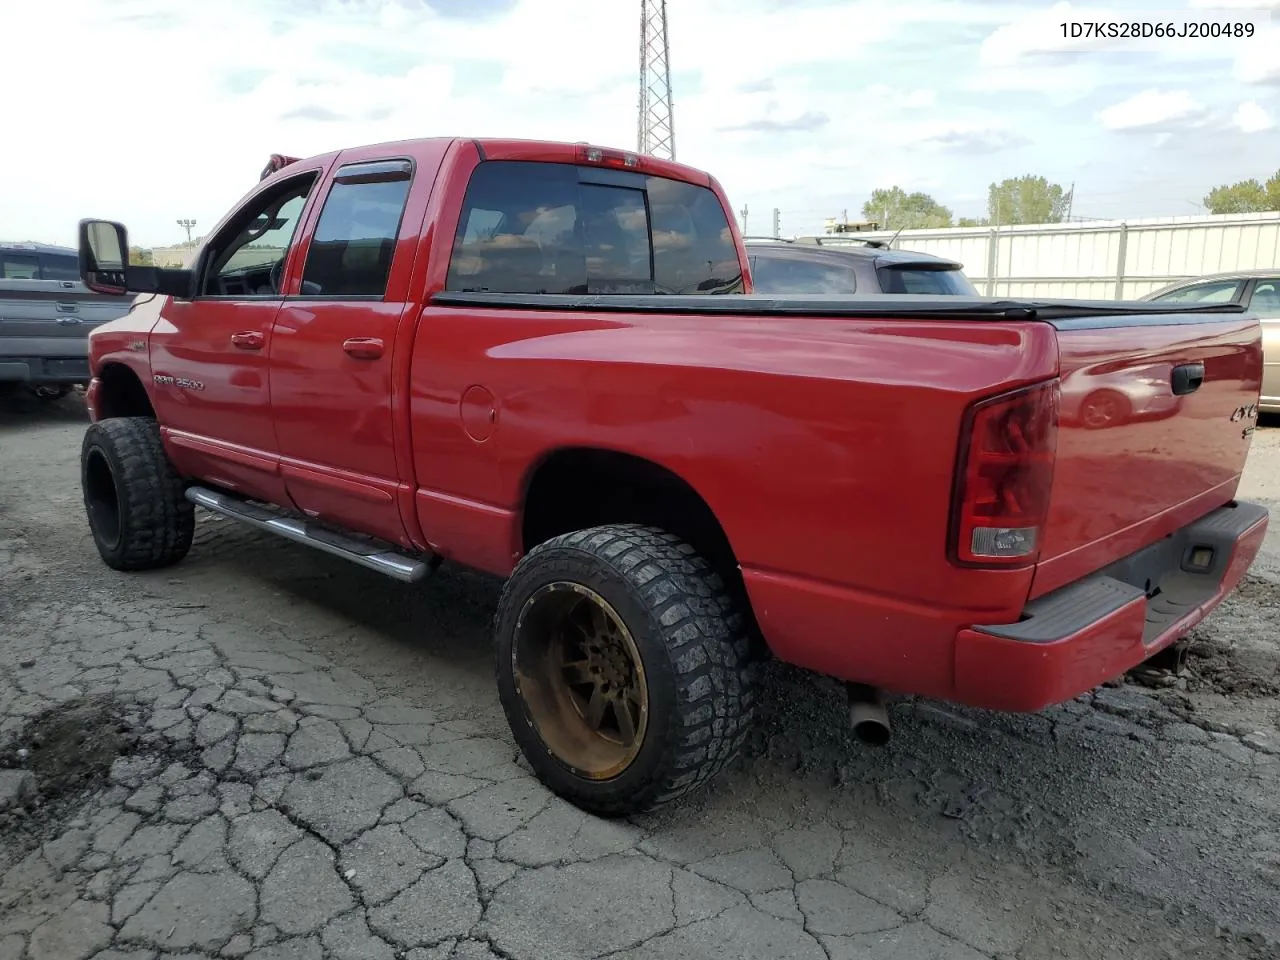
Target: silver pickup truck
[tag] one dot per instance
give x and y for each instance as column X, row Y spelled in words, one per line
column 46, row 314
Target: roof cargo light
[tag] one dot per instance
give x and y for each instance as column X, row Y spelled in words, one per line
column 608, row 158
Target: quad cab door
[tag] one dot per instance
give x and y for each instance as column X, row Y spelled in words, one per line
column 209, row 354
column 333, row 349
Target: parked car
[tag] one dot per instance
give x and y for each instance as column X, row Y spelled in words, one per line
column 1259, row 292
column 815, row 265
column 46, row 313
column 544, row 360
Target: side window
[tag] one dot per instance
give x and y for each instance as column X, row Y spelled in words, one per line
column 1266, row 299
column 693, row 249
column 519, row 231
column 1222, row 291
column 531, row 227
column 783, row 275
column 247, row 258
column 355, row 239
column 19, row 266
column 54, row 266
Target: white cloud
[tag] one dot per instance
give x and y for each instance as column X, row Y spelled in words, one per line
column 1152, row 108
column 1252, row 118
column 177, row 103
column 1257, row 61
column 1235, row 4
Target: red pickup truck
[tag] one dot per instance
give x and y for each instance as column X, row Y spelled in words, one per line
column 545, row 361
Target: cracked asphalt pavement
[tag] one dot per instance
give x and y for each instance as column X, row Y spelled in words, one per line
column 266, row 753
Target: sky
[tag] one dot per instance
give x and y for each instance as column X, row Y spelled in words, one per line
column 148, row 111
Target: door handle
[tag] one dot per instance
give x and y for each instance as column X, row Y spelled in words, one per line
column 249, row 340
column 363, row 348
column 1186, row 378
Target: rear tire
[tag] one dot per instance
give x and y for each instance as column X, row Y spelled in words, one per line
column 138, row 515
column 614, row 620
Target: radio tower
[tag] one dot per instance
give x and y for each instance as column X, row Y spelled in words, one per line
column 657, row 125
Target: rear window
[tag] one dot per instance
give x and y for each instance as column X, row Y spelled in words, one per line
column 927, row 281
column 784, row 276
column 1222, row 291
column 530, row 227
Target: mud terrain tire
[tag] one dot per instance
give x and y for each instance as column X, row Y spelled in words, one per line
column 653, row 595
column 138, row 515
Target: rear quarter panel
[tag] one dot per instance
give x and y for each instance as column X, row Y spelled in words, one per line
column 825, row 447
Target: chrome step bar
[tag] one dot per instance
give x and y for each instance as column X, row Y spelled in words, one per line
column 382, row 558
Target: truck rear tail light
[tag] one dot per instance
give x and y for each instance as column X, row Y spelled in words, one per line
column 607, row 158
column 1003, row 477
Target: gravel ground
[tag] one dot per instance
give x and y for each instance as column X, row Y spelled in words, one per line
column 267, row 753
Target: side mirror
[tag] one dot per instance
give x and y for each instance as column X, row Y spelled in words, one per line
column 104, row 255
column 104, row 265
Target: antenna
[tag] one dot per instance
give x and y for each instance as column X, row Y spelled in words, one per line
column 657, row 132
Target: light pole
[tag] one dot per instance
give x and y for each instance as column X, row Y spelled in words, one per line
column 187, row 225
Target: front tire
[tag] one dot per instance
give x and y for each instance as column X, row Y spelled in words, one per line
column 623, row 666
column 138, row 514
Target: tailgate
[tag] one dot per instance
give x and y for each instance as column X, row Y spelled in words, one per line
column 56, row 313
column 1156, row 419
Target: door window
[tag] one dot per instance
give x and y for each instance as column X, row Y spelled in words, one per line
column 55, row 266
column 246, row 259
column 355, row 240
column 530, row 227
column 19, row 266
column 1266, row 299
column 1220, row 291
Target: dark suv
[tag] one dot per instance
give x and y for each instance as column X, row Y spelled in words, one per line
column 818, row 265
column 46, row 314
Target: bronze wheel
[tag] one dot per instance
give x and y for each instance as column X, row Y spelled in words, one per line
column 579, row 672
column 623, row 666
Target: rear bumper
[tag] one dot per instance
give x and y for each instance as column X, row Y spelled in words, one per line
column 44, row 369
column 44, row 359
column 1071, row 640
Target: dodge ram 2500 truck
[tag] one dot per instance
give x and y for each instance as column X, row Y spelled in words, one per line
column 545, row 361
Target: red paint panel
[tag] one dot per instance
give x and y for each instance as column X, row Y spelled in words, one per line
column 1160, row 460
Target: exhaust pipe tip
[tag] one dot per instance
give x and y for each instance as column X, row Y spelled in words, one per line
column 867, row 715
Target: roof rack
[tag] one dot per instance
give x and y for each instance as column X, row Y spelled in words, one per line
column 840, row 239
column 771, row 239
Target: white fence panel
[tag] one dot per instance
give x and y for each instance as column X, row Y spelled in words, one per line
column 1101, row 259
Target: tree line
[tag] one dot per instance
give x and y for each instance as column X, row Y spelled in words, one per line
column 1033, row 199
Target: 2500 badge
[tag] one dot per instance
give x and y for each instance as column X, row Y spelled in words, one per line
column 182, row 383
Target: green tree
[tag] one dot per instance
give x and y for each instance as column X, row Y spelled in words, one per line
column 1027, row 199
column 140, row 257
column 973, row 222
column 895, row 209
column 1247, row 196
